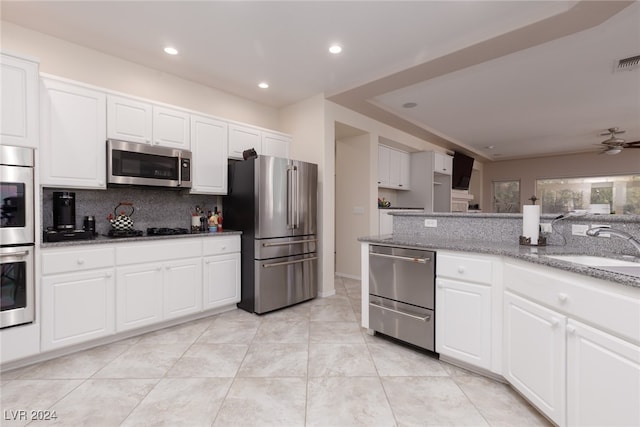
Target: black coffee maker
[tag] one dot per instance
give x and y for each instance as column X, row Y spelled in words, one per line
column 64, row 210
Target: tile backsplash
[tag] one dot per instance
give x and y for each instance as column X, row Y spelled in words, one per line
column 152, row 207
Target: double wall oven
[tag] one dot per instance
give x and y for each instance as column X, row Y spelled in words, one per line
column 17, row 236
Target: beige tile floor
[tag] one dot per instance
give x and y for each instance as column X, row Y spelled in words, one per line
column 308, row 365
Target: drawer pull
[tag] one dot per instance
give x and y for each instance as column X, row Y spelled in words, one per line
column 402, row 258
column 107, row 275
column 554, row 322
column 277, row 264
column 80, row 261
column 268, row 245
column 461, row 269
column 224, row 248
column 413, row 316
column 563, row 297
column 571, row 330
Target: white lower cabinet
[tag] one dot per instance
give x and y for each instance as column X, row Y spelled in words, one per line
column 77, row 307
column 463, row 326
column 221, row 280
column 139, row 295
column 603, row 378
column 154, row 292
column 221, row 271
column 182, row 288
column 534, row 354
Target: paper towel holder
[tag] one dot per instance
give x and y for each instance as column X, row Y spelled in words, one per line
column 526, row 241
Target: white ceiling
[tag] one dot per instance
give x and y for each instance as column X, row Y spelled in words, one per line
column 503, row 73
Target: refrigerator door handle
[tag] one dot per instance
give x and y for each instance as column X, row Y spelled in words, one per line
column 290, row 198
column 295, row 242
column 296, row 196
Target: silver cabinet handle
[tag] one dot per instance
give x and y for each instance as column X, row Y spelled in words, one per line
column 422, row 319
column 402, row 258
column 278, row 264
column 20, row 253
column 268, row 245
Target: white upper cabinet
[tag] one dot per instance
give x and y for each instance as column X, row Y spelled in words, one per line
column 243, row 138
column 442, row 163
column 138, row 121
column 274, row 144
column 129, row 120
column 19, row 95
column 209, row 161
column 73, row 128
column 393, row 168
column 171, row 128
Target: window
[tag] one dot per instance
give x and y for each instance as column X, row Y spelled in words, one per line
column 506, row 196
column 611, row 194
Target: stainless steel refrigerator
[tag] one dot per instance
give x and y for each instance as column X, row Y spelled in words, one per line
column 273, row 201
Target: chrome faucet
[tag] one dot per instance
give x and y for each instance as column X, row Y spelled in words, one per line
column 595, row 232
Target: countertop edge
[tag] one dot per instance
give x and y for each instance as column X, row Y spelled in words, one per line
column 100, row 240
column 530, row 254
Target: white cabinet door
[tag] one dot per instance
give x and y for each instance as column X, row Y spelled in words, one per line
column 405, row 171
column 139, row 291
column 76, row 307
column 442, row 163
column 171, row 128
column 210, row 161
column 384, row 154
column 221, row 280
column 603, row 378
column 182, row 287
column 463, row 329
column 73, row 124
column 534, row 354
column 243, row 138
column 276, row 145
column 395, row 166
column 19, row 96
column 129, row 120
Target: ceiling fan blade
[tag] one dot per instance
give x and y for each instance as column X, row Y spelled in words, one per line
column 633, row 144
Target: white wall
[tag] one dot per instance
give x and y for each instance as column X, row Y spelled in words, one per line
column 352, row 204
column 72, row 61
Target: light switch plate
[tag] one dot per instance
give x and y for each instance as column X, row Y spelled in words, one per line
column 431, row 223
column 579, row 229
column 545, row 227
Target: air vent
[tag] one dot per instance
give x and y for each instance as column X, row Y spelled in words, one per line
column 628, row 64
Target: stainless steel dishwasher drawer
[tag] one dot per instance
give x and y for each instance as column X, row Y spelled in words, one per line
column 405, row 322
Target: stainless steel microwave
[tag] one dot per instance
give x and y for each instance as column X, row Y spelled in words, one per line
column 131, row 163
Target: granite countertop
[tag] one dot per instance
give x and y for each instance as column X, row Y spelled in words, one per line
column 534, row 254
column 102, row 239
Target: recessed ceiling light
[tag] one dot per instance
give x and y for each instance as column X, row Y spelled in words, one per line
column 171, row 50
column 263, row 85
column 335, row 49
column 490, row 147
column 409, row 104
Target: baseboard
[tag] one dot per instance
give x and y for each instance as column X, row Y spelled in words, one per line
column 348, row 276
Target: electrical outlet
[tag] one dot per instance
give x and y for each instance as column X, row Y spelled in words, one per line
column 602, row 234
column 579, row 229
column 431, row 223
column 545, row 227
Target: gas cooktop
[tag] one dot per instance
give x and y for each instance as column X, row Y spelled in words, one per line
column 163, row 231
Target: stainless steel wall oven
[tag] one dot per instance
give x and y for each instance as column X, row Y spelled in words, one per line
column 17, row 236
column 402, row 294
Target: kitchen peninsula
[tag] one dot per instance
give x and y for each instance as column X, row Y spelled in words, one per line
column 565, row 335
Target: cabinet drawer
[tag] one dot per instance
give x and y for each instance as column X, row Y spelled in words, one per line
column 603, row 304
column 466, row 268
column 136, row 253
column 221, row 245
column 69, row 260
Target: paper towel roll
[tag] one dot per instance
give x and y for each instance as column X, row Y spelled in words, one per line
column 531, row 222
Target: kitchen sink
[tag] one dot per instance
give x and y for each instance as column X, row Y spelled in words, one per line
column 631, row 268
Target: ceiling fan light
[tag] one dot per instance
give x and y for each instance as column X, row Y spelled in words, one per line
column 613, row 150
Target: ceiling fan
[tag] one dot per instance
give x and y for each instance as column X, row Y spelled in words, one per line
column 613, row 144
